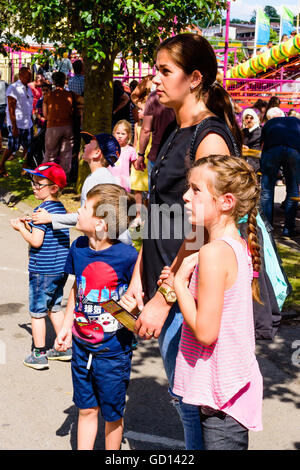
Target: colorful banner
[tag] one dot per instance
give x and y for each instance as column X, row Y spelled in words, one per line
column 262, row 28
column 286, row 22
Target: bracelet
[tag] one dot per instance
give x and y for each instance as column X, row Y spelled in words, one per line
column 141, row 154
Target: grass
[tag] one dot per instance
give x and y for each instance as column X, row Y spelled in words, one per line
column 20, row 186
column 290, row 262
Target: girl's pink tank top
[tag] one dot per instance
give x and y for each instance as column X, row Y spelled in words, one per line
column 225, row 376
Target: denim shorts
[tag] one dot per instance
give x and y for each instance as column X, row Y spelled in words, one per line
column 2, row 115
column 45, row 293
column 24, row 138
column 103, row 384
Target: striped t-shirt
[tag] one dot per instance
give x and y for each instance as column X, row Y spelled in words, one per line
column 51, row 256
column 225, row 375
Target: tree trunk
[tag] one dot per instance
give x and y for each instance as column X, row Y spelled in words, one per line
column 98, row 94
column 98, row 101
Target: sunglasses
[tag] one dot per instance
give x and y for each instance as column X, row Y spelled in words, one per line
column 249, row 117
column 39, row 186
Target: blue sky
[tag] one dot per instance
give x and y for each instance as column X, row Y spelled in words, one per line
column 243, row 9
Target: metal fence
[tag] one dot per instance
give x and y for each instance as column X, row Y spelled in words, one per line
column 248, row 90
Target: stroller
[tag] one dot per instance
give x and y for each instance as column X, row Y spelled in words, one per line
column 36, row 151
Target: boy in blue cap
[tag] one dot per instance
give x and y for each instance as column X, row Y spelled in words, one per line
column 101, row 150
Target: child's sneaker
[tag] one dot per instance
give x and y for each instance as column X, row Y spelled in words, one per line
column 54, row 355
column 36, row 361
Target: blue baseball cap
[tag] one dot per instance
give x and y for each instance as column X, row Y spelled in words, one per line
column 108, row 144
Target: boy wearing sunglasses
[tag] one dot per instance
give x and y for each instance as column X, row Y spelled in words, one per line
column 47, row 256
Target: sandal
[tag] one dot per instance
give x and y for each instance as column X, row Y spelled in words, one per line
column 3, row 174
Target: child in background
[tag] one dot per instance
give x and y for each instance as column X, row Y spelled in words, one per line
column 139, row 178
column 47, row 256
column 41, row 121
column 101, row 360
column 216, row 367
column 121, row 170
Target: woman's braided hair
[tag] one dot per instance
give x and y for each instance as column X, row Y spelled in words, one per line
column 234, row 175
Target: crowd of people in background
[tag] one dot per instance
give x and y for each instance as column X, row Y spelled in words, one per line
column 166, row 130
column 44, row 116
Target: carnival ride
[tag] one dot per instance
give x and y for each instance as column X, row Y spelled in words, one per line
column 272, row 73
column 282, row 52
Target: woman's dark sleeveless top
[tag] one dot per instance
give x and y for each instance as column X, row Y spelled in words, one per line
column 167, row 226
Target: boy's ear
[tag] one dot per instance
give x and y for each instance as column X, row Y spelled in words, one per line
column 99, row 152
column 101, row 228
column 54, row 189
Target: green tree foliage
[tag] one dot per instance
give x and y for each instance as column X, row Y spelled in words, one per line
column 100, row 29
column 7, row 36
column 274, row 37
column 271, row 12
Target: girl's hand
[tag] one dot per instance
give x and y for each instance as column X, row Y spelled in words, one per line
column 129, row 303
column 186, row 269
column 41, row 216
column 63, row 340
column 166, row 271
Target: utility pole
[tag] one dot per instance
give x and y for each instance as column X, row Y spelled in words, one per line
column 226, row 44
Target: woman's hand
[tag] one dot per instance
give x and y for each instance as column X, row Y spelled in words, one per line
column 41, row 216
column 182, row 277
column 152, row 317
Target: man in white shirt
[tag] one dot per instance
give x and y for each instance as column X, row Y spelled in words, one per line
column 19, row 117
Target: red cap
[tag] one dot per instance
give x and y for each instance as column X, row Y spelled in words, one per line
column 52, row 171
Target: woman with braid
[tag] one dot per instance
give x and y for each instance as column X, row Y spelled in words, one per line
column 216, row 368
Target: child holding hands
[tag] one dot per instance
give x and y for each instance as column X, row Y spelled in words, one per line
column 216, row 367
column 102, row 348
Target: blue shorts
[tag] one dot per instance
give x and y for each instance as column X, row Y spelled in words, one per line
column 45, row 293
column 24, row 138
column 2, row 116
column 104, row 384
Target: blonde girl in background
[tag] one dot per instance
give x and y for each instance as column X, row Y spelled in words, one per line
column 139, row 178
column 121, row 169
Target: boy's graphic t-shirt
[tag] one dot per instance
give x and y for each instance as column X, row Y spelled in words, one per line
column 100, row 276
column 50, row 257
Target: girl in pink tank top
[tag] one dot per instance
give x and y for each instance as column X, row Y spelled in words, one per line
column 216, row 367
